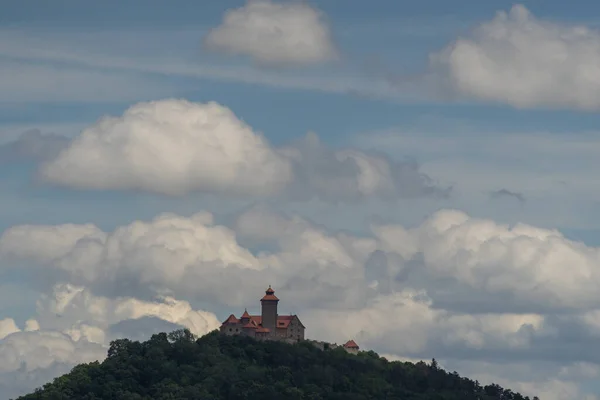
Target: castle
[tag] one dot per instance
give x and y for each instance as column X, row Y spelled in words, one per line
column 272, row 326
column 269, row 325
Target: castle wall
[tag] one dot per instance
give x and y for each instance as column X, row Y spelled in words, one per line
column 295, row 330
column 232, row 329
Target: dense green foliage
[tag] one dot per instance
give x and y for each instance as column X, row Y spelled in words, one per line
column 177, row 366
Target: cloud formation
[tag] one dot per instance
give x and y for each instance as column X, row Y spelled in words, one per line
column 525, row 62
column 522, row 263
column 170, row 147
column 73, row 326
column 32, row 145
column 496, row 194
column 174, row 147
column 461, row 289
column 280, row 34
column 76, row 306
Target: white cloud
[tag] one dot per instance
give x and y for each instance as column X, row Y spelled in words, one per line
column 75, row 327
column 292, row 33
column 38, row 350
column 90, row 316
column 525, row 261
column 31, row 325
column 526, row 62
column 418, row 283
column 422, row 326
column 175, row 147
column 7, row 326
column 169, row 251
column 30, row 359
column 173, row 254
column 171, row 146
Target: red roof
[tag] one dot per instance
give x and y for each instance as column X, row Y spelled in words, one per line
column 351, row 344
column 283, row 323
column 286, row 319
column 231, row 320
column 269, row 295
column 263, row 330
column 245, row 314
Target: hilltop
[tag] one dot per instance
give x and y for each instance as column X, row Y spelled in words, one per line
column 179, row 366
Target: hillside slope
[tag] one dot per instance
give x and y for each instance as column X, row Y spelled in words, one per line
column 176, row 366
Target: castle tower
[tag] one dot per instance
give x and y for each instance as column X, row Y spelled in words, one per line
column 269, row 310
column 245, row 317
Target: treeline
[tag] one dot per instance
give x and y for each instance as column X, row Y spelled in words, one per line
column 179, row 366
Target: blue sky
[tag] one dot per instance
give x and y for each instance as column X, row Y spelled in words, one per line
column 423, row 111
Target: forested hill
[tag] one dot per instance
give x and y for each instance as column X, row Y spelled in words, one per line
column 177, row 366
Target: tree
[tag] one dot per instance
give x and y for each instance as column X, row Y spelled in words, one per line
column 178, row 366
column 182, row 335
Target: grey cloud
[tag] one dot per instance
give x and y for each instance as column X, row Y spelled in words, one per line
column 348, row 174
column 17, row 383
column 40, row 356
column 33, row 146
column 503, row 193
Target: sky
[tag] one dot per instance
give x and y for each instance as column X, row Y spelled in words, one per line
column 416, row 176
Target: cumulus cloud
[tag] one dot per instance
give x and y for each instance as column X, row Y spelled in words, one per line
column 291, row 33
column 39, row 350
column 7, row 326
column 523, row 262
column 30, row 359
column 172, row 147
column 521, row 265
column 175, row 254
column 423, row 327
column 166, row 252
column 526, row 62
column 454, row 287
column 175, row 147
column 90, row 315
column 352, row 174
column 74, row 326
